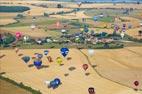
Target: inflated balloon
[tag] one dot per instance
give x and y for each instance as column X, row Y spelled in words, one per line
column 85, row 66
column 95, row 18
column 136, row 83
column 122, row 35
column 26, row 38
column 33, row 26
column 91, row 52
column 57, row 81
column 38, row 56
column 38, row 63
column 79, row 3
column 18, row 35
column 64, row 51
column 91, row 90
column 46, row 52
column 26, row 59
column 57, row 24
column 59, row 60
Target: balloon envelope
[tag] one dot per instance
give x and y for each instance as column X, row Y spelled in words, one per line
column 37, row 63
column 85, row 66
column 57, row 81
column 18, row 35
column 26, row 59
column 46, row 52
column 64, row 51
column 136, row 83
column 91, row 51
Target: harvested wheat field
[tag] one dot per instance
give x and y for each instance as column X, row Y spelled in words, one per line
column 76, row 82
column 6, row 87
column 122, row 66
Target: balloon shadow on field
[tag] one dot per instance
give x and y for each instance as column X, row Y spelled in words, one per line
column 43, row 66
column 2, row 56
column 31, row 65
column 2, row 73
column 87, row 74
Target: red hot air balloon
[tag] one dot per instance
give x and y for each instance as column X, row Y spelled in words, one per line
column 136, row 83
column 18, row 35
column 85, row 67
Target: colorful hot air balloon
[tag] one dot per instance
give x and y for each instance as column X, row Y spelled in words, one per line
column 46, row 52
column 85, row 66
column 38, row 63
column 57, row 80
column 91, row 90
column 26, row 59
column 59, row 60
column 18, row 35
column 136, row 83
column 64, row 51
column 79, row 3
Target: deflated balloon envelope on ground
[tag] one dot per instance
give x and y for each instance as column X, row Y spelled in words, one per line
column 26, row 59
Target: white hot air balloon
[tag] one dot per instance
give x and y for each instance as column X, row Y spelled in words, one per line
column 122, row 35
column 91, row 52
column 33, row 26
column 26, row 38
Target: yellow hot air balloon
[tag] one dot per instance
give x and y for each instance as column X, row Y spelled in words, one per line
column 59, row 60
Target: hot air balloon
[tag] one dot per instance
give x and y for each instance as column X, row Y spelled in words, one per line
column 79, row 3
column 64, row 51
column 26, row 59
column 91, row 90
column 33, row 26
column 38, row 63
column 57, row 80
column 85, row 66
column 18, row 35
column 122, row 35
column 59, row 60
column 46, row 52
column 38, row 56
column 26, row 38
column 95, row 18
column 91, row 52
column 54, row 83
column 136, row 83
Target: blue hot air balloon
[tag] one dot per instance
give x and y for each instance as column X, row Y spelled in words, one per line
column 55, row 83
column 64, row 51
column 46, row 52
column 26, row 59
column 57, row 80
column 39, row 56
column 38, row 63
column 95, row 18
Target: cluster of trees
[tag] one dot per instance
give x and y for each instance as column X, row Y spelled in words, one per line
column 13, row 8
